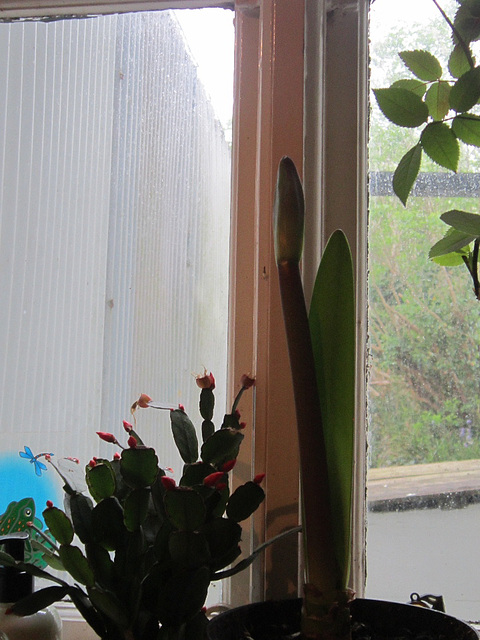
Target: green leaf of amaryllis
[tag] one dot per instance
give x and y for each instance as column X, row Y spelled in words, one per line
column 406, row 173
column 402, row 107
column 467, row 128
column 422, row 64
column 332, row 327
column 463, row 221
column 441, row 144
column 437, row 99
column 452, row 241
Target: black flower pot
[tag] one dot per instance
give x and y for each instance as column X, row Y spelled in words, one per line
column 372, row 618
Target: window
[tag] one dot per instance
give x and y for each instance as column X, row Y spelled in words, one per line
column 277, row 42
column 424, row 353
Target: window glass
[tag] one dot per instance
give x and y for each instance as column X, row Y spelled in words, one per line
column 424, row 415
column 114, row 235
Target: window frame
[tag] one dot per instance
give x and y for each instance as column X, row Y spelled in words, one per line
column 290, row 99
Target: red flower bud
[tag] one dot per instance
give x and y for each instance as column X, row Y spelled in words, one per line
column 228, row 466
column 48, row 456
column 92, row 463
column 49, row 504
column 132, row 442
column 207, row 381
column 116, row 456
column 258, row 478
column 242, row 425
column 220, row 486
column 143, row 401
column 181, row 407
column 168, row 483
column 127, row 426
column 76, row 460
column 213, row 479
column 237, row 414
column 107, row 437
column 247, row 381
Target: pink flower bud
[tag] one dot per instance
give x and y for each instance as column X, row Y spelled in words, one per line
column 237, row 414
column 92, row 463
column 207, row 381
column 242, row 425
column 220, row 486
column 107, row 437
column 48, row 456
column 143, row 401
column 132, row 442
column 127, row 426
column 75, row 460
column 168, row 483
column 116, row 456
column 181, row 407
column 213, row 479
column 49, row 504
column 258, row 478
column 247, row 381
column 228, row 466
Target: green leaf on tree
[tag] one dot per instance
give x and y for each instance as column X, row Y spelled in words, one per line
column 465, row 93
column 437, row 99
column 467, row 128
column 422, row 64
column 458, row 63
column 467, row 22
column 410, row 84
column 463, row 221
column 440, row 143
column 453, row 241
column 406, row 173
column 402, row 107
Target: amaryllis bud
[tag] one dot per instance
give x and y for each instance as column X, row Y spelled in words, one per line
column 207, row 381
column 107, row 437
column 228, row 466
column 116, row 456
column 127, row 426
column 49, row 504
column 132, row 442
column 168, row 483
column 247, row 381
column 213, row 479
column 143, row 401
column 258, row 478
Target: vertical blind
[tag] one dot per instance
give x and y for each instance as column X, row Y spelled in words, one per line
column 114, row 232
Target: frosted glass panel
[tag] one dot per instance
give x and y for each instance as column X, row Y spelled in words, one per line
column 114, row 232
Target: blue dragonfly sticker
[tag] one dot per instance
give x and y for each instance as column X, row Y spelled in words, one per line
column 39, row 466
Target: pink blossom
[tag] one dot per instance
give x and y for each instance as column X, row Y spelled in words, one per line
column 107, row 437
column 205, row 381
column 258, row 478
column 143, row 401
column 247, row 381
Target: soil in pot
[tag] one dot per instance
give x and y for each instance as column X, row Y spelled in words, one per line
column 371, row 620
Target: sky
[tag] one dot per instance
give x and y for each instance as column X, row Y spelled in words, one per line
column 210, row 37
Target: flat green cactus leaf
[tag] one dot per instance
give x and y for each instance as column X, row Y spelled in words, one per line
column 207, row 404
column 135, row 508
column 161, row 542
column 193, row 474
column 182, row 596
column 185, row 509
column 189, row 549
column 107, row 603
column 223, row 536
column 107, row 522
column 221, row 447
column 139, row 467
column 59, row 525
column 101, row 481
column 76, row 564
column 332, row 327
column 184, row 435
column 80, row 508
column 102, row 565
column 244, row 500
